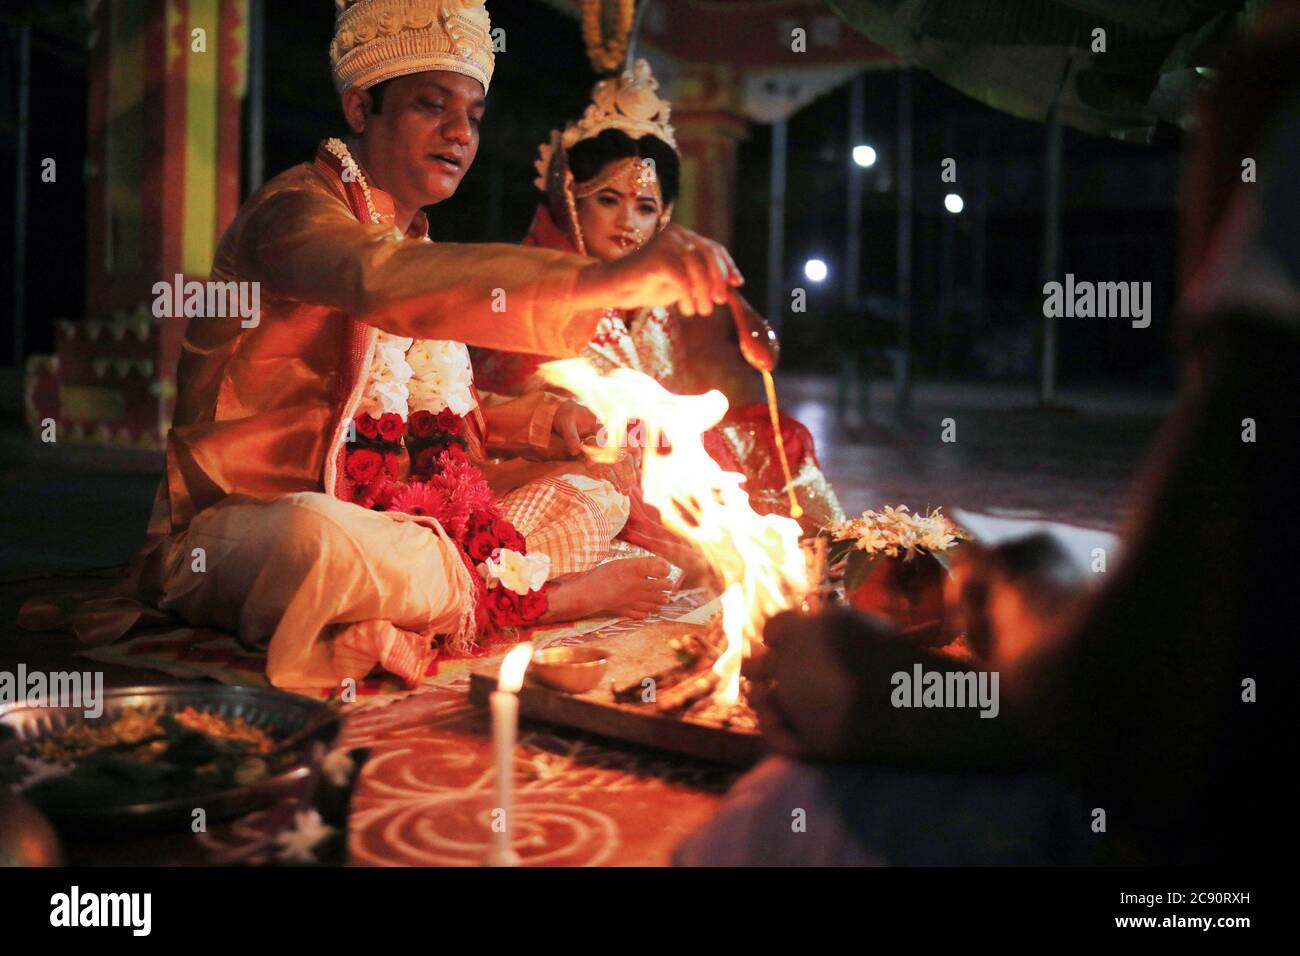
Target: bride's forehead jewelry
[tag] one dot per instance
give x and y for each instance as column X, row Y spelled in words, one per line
column 630, row 175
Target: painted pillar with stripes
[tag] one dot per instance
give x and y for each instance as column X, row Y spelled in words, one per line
column 166, row 86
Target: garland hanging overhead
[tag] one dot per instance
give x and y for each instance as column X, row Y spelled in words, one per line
column 607, row 53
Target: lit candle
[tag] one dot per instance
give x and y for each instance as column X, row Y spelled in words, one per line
column 505, row 719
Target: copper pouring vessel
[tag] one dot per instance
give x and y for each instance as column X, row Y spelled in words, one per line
column 758, row 343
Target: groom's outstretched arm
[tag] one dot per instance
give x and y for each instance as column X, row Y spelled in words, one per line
column 302, row 243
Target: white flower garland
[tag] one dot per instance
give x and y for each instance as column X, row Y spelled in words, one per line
column 410, row 375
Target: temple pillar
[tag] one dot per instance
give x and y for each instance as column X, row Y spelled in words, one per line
column 708, row 129
column 163, row 163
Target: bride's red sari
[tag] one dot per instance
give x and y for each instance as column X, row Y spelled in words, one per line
column 686, row 356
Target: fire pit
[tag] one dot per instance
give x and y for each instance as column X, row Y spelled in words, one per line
column 675, row 688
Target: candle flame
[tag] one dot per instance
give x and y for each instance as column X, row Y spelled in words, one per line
column 757, row 556
column 513, row 665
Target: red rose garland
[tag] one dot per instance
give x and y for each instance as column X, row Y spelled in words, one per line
column 444, row 485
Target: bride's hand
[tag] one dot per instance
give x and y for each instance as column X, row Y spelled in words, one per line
column 676, row 267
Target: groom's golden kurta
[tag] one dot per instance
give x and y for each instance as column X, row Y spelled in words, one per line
column 257, row 407
column 259, row 421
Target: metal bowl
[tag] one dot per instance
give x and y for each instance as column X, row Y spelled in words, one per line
column 574, row 670
column 277, row 712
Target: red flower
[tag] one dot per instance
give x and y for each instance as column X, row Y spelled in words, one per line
column 363, row 464
column 503, row 607
column 383, row 495
column 367, row 427
column 423, row 423
column 481, row 545
column 420, row 498
column 393, row 464
column 450, row 422
column 509, row 537
column 426, row 460
column 376, row 495
column 455, row 453
column 533, row 605
column 391, row 427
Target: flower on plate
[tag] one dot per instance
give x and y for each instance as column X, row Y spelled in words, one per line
column 297, row 844
column 338, row 767
column 897, row 531
column 35, row 770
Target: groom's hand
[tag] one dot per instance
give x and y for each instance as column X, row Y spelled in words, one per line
column 573, row 422
column 676, row 267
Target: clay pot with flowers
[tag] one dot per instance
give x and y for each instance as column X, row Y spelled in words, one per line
column 895, row 565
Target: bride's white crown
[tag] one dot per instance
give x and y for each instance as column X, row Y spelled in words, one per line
column 628, row 102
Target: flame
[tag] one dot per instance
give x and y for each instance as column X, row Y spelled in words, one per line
column 757, row 556
column 513, row 665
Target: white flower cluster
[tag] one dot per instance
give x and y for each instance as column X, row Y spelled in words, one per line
column 386, row 391
column 409, row 375
column 520, row 573
column 895, row 531
column 442, row 376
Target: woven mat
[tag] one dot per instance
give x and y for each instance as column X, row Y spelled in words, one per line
column 215, row 655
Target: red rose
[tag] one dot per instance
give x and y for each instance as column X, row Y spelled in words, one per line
column 391, row 427
column 363, row 465
column 454, row 452
column 509, row 536
column 423, row 423
column 450, row 422
column 393, row 464
column 481, row 545
column 383, row 495
column 426, row 460
column 533, row 605
column 503, row 606
column 367, row 427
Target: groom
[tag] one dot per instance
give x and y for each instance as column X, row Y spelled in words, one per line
column 247, row 534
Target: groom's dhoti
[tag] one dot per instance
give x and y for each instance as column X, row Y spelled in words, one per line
column 336, row 588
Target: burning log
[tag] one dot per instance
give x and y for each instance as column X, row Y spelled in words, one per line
column 696, row 651
column 687, row 692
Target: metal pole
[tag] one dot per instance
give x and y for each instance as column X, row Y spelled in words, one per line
column 853, row 241
column 635, row 34
column 20, row 192
column 904, row 294
column 256, row 95
column 1051, row 234
column 947, row 258
column 979, row 234
column 776, row 227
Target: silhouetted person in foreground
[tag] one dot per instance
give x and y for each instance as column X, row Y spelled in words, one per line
column 1139, row 699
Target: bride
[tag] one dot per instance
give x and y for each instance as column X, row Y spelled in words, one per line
column 609, row 182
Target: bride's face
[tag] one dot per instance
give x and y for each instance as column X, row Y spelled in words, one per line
column 614, row 223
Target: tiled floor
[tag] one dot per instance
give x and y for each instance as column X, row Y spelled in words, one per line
column 1008, row 457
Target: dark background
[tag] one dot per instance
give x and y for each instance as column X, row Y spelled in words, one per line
column 1119, row 218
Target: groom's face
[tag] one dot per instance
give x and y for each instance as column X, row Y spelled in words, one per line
column 423, row 136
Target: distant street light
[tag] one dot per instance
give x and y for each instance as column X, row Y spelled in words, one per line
column 953, row 203
column 864, row 156
column 815, row 270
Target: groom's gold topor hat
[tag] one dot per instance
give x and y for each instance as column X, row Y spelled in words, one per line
column 377, row 40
